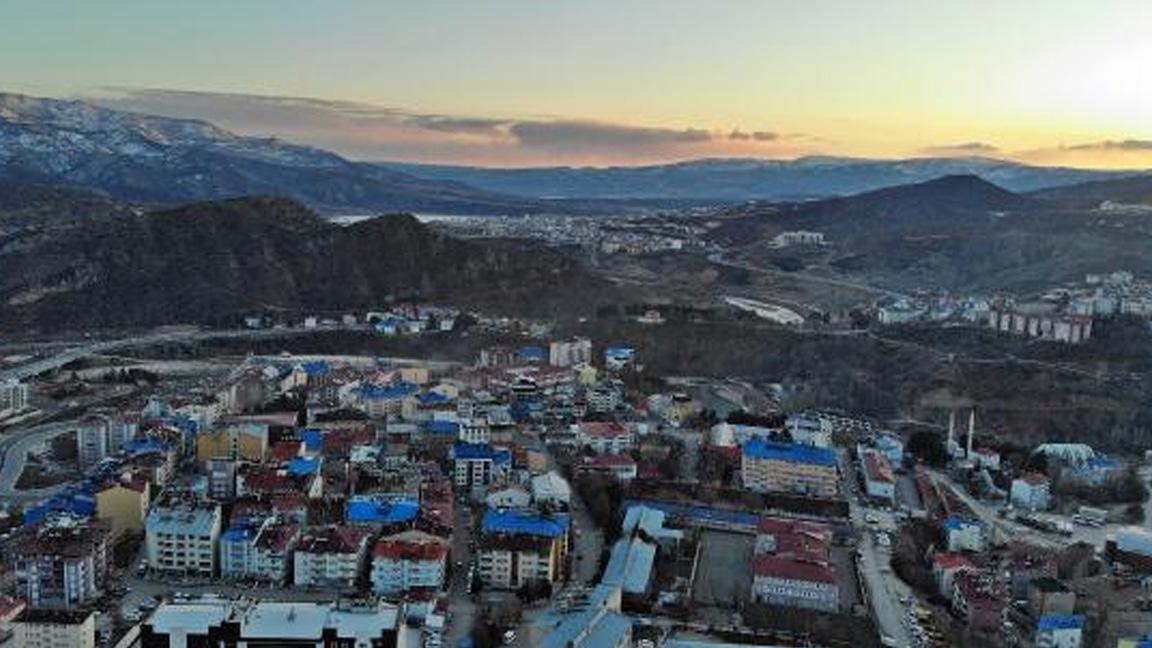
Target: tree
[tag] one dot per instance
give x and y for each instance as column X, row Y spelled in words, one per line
column 929, row 446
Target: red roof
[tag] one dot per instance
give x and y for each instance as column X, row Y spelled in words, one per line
column 283, row 451
column 798, row 540
column 268, row 481
column 604, row 429
column 608, row 461
column 877, row 467
column 771, row 566
column 331, row 540
column 277, row 537
column 412, row 546
column 950, row 561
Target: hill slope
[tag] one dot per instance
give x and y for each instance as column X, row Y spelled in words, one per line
column 956, row 233
column 208, row 261
column 1136, row 190
column 144, row 158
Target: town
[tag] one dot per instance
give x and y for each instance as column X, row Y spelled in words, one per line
column 545, row 493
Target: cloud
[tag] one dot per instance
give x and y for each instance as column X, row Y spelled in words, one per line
column 1127, row 145
column 964, row 148
column 757, row 136
column 368, row 131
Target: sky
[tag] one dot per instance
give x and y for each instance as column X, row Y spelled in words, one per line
column 592, row 82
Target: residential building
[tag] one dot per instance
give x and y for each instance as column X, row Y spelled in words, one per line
column 479, row 464
column 965, row 535
column 1060, row 631
column 38, row 628
column 570, row 352
column 61, row 563
column 246, row 441
column 91, row 440
column 550, row 489
column 620, row 466
column 475, row 430
column 124, row 505
column 945, row 566
column 769, row 466
column 412, row 560
column 258, row 549
column 810, row 428
column 292, row 624
column 521, row 547
column 792, row 565
column 331, row 556
column 891, row 447
column 510, row 497
column 1030, row 492
column 604, row 437
column 13, row 396
column 879, row 480
column 980, row 600
column 183, row 537
column 619, row 357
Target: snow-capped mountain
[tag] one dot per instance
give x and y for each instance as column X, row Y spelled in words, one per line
column 145, row 158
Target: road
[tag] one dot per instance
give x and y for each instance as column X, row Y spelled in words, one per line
column 881, row 585
column 88, row 349
column 718, row 258
column 14, row 455
column 1002, row 528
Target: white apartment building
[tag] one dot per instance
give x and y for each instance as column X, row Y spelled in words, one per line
column 183, row 537
column 571, row 352
column 13, row 396
column 332, row 556
column 54, row 629
column 408, row 561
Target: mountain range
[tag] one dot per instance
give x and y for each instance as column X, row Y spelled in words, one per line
column 737, row 180
column 167, row 161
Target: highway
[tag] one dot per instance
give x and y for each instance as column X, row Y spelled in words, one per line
column 88, row 349
column 14, row 455
column 718, row 258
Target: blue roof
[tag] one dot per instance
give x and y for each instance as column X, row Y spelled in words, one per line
column 533, row 352
column 955, row 523
column 463, row 450
column 387, row 392
column 433, row 398
column 619, row 351
column 146, row 445
column 315, row 368
column 313, row 439
column 242, row 532
column 525, row 523
column 442, row 427
column 81, row 505
column 303, row 466
column 1060, row 622
column 698, row 513
column 631, row 565
column 369, row 510
column 794, row 452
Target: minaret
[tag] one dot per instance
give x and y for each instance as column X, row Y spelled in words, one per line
column 951, row 429
column 971, row 431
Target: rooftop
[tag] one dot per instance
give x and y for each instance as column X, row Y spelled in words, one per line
column 525, row 522
column 792, row 452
